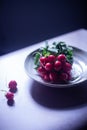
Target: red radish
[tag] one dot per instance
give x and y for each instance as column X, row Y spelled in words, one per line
column 41, row 71
column 49, row 66
column 57, row 65
column 61, row 58
column 53, row 76
column 43, row 60
column 9, row 95
column 64, row 76
column 67, row 67
column 12, row 85
column 51, row 58
column 69, row 76
column 46, row 77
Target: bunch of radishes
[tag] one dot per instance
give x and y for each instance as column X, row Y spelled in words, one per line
column 54, row 68
column 54, row 63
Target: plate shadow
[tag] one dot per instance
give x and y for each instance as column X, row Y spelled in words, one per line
column 59, row 98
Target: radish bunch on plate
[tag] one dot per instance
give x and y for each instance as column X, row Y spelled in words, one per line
column 54, row 63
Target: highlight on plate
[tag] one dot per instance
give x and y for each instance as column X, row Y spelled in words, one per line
column 54, row 62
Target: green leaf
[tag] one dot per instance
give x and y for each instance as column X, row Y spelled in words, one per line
column 60, row 45
column 36, row 58
column 69, row 53
column 47, row 54
column 44, row 51
column 53, row 50
column 36, row 67
column 46, row 44
column 70, row 59
column 54, row 43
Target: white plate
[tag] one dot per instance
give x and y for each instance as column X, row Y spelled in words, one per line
column 79, row 70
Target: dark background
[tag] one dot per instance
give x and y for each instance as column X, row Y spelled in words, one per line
column 25, row 22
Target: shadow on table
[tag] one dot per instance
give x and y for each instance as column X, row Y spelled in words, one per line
column 60, row 98
column 83, row 127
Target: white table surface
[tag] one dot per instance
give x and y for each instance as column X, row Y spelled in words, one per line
column 39, row 107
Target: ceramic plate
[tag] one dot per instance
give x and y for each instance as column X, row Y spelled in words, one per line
column 79, row 69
